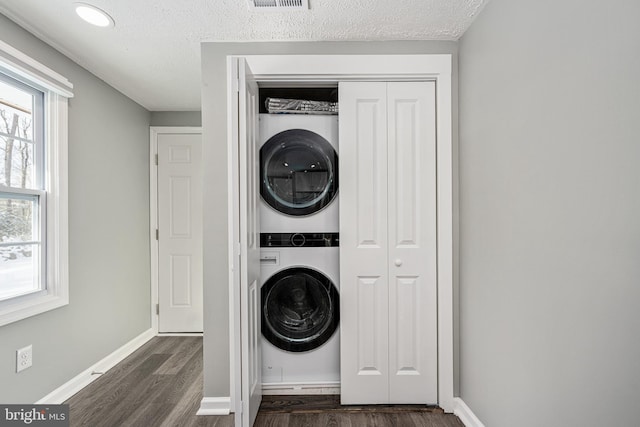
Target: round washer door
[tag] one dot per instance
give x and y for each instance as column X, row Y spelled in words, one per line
column 300, row 309
column 299, row 172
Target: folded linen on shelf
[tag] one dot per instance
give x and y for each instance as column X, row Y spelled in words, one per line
column 300, row 106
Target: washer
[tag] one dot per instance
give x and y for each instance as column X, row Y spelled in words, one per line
column 299, row 173
column 300, row 308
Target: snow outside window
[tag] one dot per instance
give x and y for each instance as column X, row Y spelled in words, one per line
column 22, row 198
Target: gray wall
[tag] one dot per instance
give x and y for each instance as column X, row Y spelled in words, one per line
column 550, row 213
column 214, row 120
column 176, row 118
column 108, row 237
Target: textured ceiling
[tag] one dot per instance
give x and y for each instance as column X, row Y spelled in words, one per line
column 152, row 54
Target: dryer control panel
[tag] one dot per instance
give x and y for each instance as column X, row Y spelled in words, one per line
column 299, row 240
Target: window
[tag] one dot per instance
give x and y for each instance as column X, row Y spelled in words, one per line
column 22, row 199
column 33, row 187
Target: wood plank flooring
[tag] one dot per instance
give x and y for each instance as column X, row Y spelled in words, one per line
column 325, row 410
column 161, row 385
column 158, row 385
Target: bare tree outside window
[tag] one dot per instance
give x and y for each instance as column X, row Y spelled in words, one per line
column 16, row 146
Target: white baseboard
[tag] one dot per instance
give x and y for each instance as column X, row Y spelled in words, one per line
column 331, row 387
column 180, row 334
column 215, row 406
column 86, row 377
column 466, row 415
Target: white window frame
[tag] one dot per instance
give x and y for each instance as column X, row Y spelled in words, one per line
column 36, row 192
column 57, row 90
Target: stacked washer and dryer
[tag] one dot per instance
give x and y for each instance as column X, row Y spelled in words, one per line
column 299, row 252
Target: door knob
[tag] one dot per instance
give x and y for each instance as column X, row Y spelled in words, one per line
column 398, row 262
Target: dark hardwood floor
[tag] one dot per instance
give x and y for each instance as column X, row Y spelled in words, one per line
column 325, row 410
column 161, row 385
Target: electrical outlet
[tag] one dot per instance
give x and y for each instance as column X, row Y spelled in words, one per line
column 24, row 358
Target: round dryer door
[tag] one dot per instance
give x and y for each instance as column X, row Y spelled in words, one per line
column 299, row 172
column 300, row 309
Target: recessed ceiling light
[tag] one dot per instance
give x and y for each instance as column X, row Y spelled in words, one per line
column 93, row 15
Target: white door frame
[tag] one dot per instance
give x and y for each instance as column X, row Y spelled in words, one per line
column 154, row 132
column 333, row 68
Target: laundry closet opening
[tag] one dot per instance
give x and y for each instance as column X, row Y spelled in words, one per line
column 366, row 194
column 299, row 239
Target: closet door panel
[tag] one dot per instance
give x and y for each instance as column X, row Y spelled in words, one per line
column 363, row 243
column 369, row 169
column 412, row 242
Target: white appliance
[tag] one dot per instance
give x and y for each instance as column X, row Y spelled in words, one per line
column 299, row 173
column 300, row 312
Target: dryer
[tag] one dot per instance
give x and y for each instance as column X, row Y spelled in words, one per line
column 300, row 310
column 299, row 173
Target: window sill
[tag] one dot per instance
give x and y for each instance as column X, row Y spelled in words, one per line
column 20, row 308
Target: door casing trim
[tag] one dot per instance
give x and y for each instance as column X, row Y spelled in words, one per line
column 323, row 69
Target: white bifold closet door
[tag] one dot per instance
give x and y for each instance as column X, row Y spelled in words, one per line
column 246, row 104
column 388, row 242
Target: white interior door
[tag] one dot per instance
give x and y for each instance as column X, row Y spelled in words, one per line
column 180, row 232
column 388, row 243
column 250, row 301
